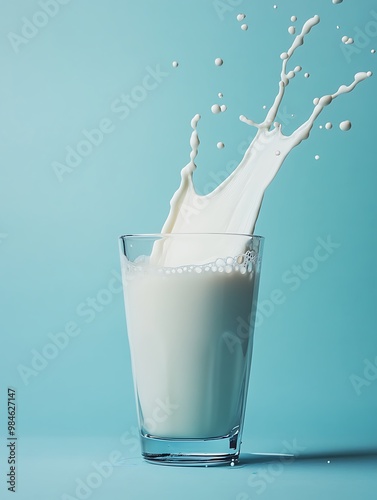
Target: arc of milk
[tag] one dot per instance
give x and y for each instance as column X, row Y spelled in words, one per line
column 284, row 80
column 234, row 205
column 304, row 130
column 186, row 184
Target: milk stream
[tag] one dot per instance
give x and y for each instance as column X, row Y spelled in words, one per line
column 233, row 207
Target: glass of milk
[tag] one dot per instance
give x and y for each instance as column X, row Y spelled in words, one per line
column 190, row 307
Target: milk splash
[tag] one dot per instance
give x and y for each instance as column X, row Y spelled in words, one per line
column 233, row 207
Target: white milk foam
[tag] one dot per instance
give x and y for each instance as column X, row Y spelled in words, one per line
column 233, row 207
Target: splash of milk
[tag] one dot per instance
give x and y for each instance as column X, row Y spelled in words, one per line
column 233, row 207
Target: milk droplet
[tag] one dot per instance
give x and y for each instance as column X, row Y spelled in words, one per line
column 306, row 75
column 277, row 153
column 328, row 125
column 346, row 125
column 291, row 30
column 297, row 69
column 320, row 127
column 244, row 27
column 329, row 461
column 338, row 27
column 264, row 107
column 293, row 19
column 221, row 95
column 344, row 39
column 194, row 121
column 283, row 55
column 316, row 101
column 337, row 1
column 275, row 6
column 223, row 108
column 290, row 75
column 175, row 64
column 240, row 17
column 220, row 145
column 215, row 108
column 349, row 41
column 373, row 51
column 316, row 157
column 219, row 61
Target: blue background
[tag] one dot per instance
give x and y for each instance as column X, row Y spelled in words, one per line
column 58, row 236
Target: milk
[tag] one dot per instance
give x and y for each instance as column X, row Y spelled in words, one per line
column 183, row 313
column 190, row 346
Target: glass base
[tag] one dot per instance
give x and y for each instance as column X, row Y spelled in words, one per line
column 191, row 452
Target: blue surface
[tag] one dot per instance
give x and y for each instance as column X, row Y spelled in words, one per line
column 314, row 376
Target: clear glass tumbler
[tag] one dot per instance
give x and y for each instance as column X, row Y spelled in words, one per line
column 190, row 307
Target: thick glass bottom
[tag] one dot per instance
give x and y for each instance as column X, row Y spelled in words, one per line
column 192, row 452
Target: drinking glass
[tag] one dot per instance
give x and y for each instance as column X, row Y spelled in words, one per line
column 190, row 303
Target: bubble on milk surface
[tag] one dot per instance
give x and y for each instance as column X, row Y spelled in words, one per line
column 241, row 264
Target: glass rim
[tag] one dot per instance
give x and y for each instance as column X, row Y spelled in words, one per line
column 158, row 235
